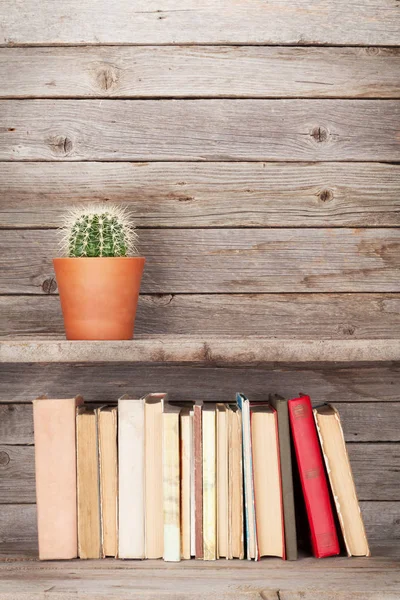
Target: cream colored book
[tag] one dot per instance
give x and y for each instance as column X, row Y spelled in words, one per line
column 171, row 483
column 131, row 515
column 55, row 467
column 209, row 483
column 267, row 481
column 192, row 490
column 186, row 464
column 222, row 481
column 235, row 496
column 341, row 480
column 108, row 458
column 153, row 410
column 87, row 454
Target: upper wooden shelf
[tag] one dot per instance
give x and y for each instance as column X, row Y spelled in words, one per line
column 203, row 351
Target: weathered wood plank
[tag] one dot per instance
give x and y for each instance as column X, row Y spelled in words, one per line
column 200, row 130
column 18, row 529
column 300, row 316
column 173, row 22
column 375, row 468
column 201, row 72
column 204, row 195
column 210, row 351
column 104, row 382
column 369, row 422
column 228, row 260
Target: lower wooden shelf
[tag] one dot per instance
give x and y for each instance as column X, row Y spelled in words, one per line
column 211, row 351
column 374, row 578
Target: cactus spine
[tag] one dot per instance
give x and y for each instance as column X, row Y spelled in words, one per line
column 99, row 231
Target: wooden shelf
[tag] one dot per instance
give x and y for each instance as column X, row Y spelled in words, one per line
column 201, row 351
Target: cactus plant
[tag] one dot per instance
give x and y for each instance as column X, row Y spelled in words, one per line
column 102, row 230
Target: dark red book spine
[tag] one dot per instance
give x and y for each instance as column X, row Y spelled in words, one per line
column 324, row 538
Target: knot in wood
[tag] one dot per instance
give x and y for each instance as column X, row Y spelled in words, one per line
column 326, row 195
column 4, row 458
column 49, row 285
column 320, row 134
column 106, row 77
column 60, row 144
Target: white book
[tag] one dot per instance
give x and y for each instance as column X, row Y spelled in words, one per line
column 222, row 482
column 192, row 492
column 249, row 504
column 171, row 483
column 209, row 483
column 186, row 460
column 131, row 542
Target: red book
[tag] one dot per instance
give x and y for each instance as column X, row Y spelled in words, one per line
column 324, row 539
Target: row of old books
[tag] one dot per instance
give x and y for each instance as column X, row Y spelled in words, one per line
column 149, row 479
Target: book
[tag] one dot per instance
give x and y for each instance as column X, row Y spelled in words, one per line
column 249, row 505
column 267, row 481
column 55, row 467
column 131, row 516
column 222, row 481
column 88, row 483
column 171, row 483
column 209, row 483
column 281, row 406
column 186, row 445
column 314, row 484
column 153, row 409
column 235, row 496
column 341, row 480
column 192, row 490
column 108, row 461
column 198, row 477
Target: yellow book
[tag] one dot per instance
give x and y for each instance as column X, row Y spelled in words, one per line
column 341, row 479
column 153, row 409
column 108, row 460
column 89, row 539
column 222, row 481
column 235, row 497
column 171, row 483
column 209, row 483
column 186, row 466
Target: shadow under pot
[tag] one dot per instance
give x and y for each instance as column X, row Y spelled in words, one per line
column 99, row 296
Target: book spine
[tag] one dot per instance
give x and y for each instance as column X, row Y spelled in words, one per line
column 171, row 484
column 198, row 479
column 313, row 479
column 209, row 485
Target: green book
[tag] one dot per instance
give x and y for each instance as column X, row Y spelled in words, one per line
column 281, row 407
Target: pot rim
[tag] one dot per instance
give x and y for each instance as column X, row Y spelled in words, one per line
column 98, row 258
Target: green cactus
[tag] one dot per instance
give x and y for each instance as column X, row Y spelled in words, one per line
column 99, row 231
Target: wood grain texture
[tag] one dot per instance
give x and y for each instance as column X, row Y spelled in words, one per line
column 173, row 22
column 206, row 195
column 18, row 529
column 227, row 260
column 104, row 383
column 204, row 351
column 375, row 469
column 200, row 130
column 201, row 72
column 369, row 422
column 299, row 316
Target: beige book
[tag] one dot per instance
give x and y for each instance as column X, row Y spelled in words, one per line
column 235, row 496
column 87, row 454
column 267, row 481
column 171, row 483
column 153, row 409
column 209, row 483
column 55, row 467
column 131, row 515
column 108, row 459
column 186, row 465
column 222, row 481
column 192, row 490
column 341, row 480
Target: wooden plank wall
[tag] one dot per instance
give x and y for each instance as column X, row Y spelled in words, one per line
column 258, row 146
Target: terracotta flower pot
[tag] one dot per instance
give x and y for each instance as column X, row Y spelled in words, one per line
column 99, row 296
